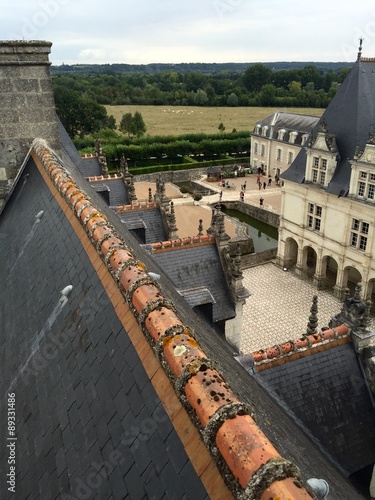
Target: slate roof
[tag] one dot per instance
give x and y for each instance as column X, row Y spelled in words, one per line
column 198, row 266
column 321, row 384
column 81, row 399
column 88, row 167
column 117, row 191
column 90, row 396
column 290, row 122
column 350, row 116
column 154, row 227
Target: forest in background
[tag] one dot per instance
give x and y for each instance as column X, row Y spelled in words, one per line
column 256, row 85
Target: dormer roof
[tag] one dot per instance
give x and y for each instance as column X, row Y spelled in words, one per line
column 350, row 117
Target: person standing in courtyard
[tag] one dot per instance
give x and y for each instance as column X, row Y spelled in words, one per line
column 261, row 201
column 264, row 185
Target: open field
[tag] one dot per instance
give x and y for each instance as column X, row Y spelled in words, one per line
column 176, row 120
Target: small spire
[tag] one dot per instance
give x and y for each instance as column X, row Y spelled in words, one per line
column 131, row 191
column 366, row 320
column 149, row 195
column 360, row 49
column 172, row 223
column 313, row 318
column 221, row 227
column 200, row 227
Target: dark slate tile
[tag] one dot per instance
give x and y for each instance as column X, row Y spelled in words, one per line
column 172, row 483
column 134, row 484
column 176, row 452
column 153, row 485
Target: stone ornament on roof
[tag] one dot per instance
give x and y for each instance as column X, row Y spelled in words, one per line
column 354, row 312
column 313, row 318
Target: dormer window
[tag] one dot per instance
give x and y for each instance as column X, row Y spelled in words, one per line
column 281, row 134
column 304, row 139
column 292, row 137
column 264, row 130
column 257, row 129
column 319, row 170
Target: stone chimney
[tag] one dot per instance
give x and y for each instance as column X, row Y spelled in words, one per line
column 27, row 106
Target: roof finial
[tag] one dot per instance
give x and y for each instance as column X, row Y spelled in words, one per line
column 313, row 318
column 360, row 49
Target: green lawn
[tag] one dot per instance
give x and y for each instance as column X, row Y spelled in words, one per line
column 177, row 120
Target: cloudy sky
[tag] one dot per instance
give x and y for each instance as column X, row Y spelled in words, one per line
column 173, row 31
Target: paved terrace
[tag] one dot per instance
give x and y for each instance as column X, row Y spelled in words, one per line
column 279, row 306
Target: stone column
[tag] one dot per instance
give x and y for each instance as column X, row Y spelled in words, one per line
column 301, row 267
column 340, row 287
column 320, row 277
column 27, row 106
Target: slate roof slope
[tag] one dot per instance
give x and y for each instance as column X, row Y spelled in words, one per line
column 350, row 116
column 89, row 421
column 41, row 260
column 88, row 167
column 291, row 122
column 117, row 191
column 194, row 266
column 154, row 227
column 323, row 387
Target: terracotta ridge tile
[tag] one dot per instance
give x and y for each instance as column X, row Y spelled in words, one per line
column 140, row 205
column 248, row 461
column 195, row 241
column 106, row 177
column 306, row 345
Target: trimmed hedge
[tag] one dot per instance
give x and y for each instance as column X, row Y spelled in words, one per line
column 184, row 166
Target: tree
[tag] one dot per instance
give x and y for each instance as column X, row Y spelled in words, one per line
column 267, row 95
column 221, row 127
column 232, row 99
column 256, row 76
column 133, row 125
column 80, row 116
column 200, row 98
column 125, row 123
column 139, row 127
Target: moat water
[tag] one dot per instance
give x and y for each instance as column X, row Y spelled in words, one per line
column 264, row 236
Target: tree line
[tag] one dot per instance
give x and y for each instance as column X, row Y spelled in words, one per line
column 258, row 85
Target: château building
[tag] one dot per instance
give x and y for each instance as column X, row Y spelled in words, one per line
column 328, row 204
column 277, row 139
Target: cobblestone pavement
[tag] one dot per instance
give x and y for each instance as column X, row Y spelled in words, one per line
column 279, row 307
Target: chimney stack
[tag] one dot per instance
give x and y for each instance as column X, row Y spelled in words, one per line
column 27, row 106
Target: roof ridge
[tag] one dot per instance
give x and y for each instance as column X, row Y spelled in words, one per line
column 105, row 177
column 307, row 345
column 140, row 205
column 248, row 461
column 160, row 246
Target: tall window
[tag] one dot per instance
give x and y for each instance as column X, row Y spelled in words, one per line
column 262, row 150
column 314, row 217
column 319, row 168
column 359, row 234
column 290, row 157
column 366, row 185
column 278, row 154
column 255, row 148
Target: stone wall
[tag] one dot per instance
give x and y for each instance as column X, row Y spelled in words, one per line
column 258, row 213
column 172, row 176
column 253, row 259
column 27, row 107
